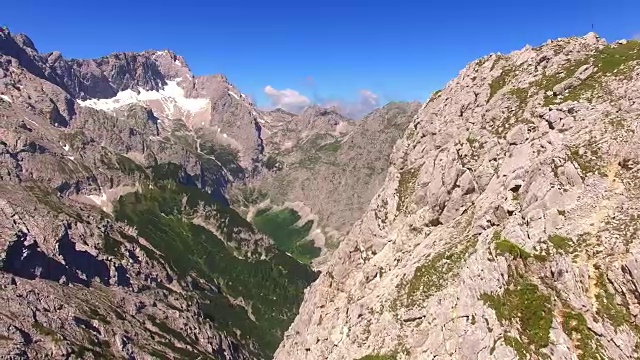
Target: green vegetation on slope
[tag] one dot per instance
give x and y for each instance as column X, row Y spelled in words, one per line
column 50, row 199
column 280, row 225
column 406, row 185
column 170, row 336
column 434, row 275
column 319, row 149
column 561, row 243
column 608, row 308
column 111, row 246
column 610, row 60
column 547, row 82
column 524, row 305
column 500, row 82
column 333, row 146
column 75, row 139
column 575, row 326
column 434, row 96
column 128, row 166
column 588, row 159
column 224, row 155
column 272, row 287
column 378, row 357
column 111, row 160
column 46, row 331
column 505, row 247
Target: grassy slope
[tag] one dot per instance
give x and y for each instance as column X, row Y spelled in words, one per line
column 272, row 288
column 280, row 225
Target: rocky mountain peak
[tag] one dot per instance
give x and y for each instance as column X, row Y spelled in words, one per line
column 315, row 111
column 101, row 78
column 213, row 86
column 320, row 118
column 505, row 228
column 24, row 41
column 282, row 111
column 22, row 50
column 391, row 115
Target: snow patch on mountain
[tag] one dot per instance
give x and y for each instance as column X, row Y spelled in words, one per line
column 170, row 96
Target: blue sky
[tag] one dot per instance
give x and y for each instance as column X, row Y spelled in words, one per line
column 327, row 50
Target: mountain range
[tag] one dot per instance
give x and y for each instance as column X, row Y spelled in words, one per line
column 147, row 213
column 143, row 208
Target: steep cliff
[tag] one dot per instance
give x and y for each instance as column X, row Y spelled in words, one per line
column 508, row 223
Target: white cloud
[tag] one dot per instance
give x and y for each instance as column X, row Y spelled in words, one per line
column 369, row 99
column 291, row 100
column 636, row 36
column 367, row 102
column 288, row 99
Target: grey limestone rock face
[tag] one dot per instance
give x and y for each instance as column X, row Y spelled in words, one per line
column 332, row 164
column 104, row 77
column 507, row 225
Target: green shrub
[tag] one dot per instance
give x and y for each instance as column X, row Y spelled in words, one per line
column 523, row 304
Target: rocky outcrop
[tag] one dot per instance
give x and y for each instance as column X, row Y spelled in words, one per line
column 61, row 89
column 332, row 164
column 79, row 287
column 507, row 224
